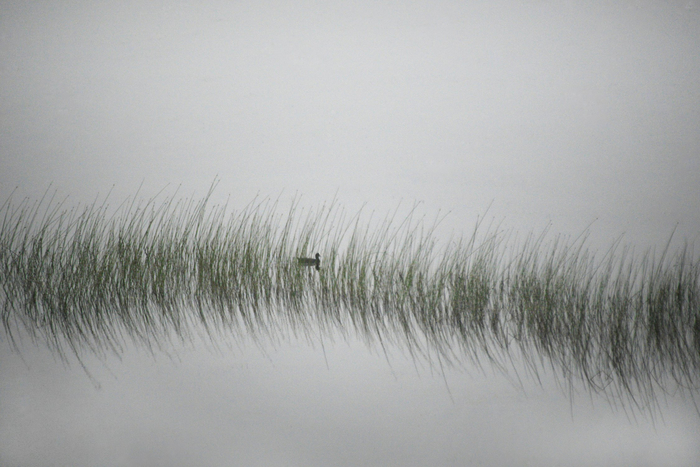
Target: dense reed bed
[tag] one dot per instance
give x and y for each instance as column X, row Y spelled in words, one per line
column 95, row 277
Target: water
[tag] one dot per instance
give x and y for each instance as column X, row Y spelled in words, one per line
column 561, row 115
column 294, row 404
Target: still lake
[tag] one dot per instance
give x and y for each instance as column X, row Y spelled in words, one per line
column 301, row 403
column 306, row 396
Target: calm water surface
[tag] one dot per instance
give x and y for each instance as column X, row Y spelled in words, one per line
column 297, row 402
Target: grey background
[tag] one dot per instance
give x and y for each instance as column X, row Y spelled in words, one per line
column 554, row 111
column 550, row 112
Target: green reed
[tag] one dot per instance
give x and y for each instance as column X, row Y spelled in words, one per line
column 93, row 277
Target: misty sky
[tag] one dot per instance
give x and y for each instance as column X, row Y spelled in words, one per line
column 563, row 111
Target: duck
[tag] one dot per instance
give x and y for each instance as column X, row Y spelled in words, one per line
column 311, row 261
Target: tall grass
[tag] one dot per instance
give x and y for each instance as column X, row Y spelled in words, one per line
column 93, row 277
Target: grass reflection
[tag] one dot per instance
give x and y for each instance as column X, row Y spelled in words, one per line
column 92, row 277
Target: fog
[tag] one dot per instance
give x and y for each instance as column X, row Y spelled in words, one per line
column 532, row 113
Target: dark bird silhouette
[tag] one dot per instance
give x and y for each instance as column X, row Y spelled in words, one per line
column 311, row 262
